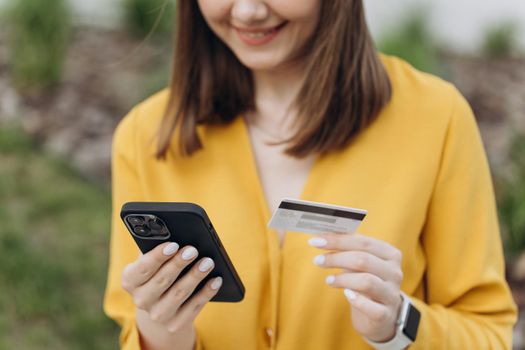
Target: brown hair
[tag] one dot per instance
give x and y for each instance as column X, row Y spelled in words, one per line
column 346, row 84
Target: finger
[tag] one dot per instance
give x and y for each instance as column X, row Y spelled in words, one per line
column 140, row 271
column 178, row 293
column 149, row 293
column 187, row 313
column 356, row 242
column 361, row 262
column 367, row 284
column 377, row 313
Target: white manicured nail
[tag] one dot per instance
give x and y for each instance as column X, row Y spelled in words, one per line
column 330, row 279
column 216, row 283
column 350, row 294
column 170, row 249
column 319, row 260
column 205, row 264
column 189, row 253
column 317, row 242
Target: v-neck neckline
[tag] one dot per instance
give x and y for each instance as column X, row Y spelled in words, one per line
column 255, row 176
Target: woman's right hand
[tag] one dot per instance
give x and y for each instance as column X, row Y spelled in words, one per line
column 150, row 282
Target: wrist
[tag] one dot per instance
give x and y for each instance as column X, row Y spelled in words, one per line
column 390, row 333
column 406, row 329
column 154, row 336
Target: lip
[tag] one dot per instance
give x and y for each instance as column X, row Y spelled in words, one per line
column 249, row 39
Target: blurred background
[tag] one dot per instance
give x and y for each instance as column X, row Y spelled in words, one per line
column 69, row 70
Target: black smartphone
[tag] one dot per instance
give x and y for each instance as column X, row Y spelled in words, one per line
column 153, row 223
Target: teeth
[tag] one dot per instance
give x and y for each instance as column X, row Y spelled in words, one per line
column 257, row 34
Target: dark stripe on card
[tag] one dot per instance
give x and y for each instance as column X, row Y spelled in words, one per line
column 321, row 210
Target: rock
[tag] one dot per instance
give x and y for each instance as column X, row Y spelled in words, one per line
column 519, row 333
column 93, row 157
column 62, row 142
column 519, row 269
column 9, row 103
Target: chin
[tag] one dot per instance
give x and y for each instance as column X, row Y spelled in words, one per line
column 260, row 62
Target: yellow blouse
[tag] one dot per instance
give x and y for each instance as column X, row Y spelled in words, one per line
column 421, row 172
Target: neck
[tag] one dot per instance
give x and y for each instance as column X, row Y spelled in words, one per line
column 275, row 94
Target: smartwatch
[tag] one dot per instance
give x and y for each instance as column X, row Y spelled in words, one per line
column 407, row 325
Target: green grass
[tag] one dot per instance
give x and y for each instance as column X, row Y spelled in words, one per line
column 53, row 252
column 510, row 192
column 412, row 40
column 501, row 40
column 38, row 36
column 145, row 17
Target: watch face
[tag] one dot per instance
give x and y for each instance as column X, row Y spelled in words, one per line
column 411, row 323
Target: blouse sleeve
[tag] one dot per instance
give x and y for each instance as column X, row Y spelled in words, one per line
column 118, row 305
column 126, row 186
column 468, row 303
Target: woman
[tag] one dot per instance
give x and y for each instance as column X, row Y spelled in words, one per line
column 273, row 99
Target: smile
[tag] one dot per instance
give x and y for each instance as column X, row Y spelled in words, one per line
column 258, row 36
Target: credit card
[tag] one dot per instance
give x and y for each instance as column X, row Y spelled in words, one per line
column 313, row 217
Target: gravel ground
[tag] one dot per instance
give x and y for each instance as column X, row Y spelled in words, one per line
column 106, row 72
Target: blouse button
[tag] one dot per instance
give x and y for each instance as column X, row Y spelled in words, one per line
column 269, row 334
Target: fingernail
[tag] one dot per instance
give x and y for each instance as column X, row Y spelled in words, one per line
column 216, row 283
column 350, row 294
column 317, row 242
column 205, row 264
column 330, row 279
column 189, row 253
column 170, row 249
column 319, row 260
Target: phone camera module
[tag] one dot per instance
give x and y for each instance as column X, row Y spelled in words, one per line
column 147, row 226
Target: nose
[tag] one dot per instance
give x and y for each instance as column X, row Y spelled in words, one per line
column 247, row 11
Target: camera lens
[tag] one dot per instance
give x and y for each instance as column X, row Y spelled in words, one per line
column 155, row 225
column 135, row 220
column 142, row 230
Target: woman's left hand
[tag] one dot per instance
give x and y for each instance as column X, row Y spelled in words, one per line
column 371, row 280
